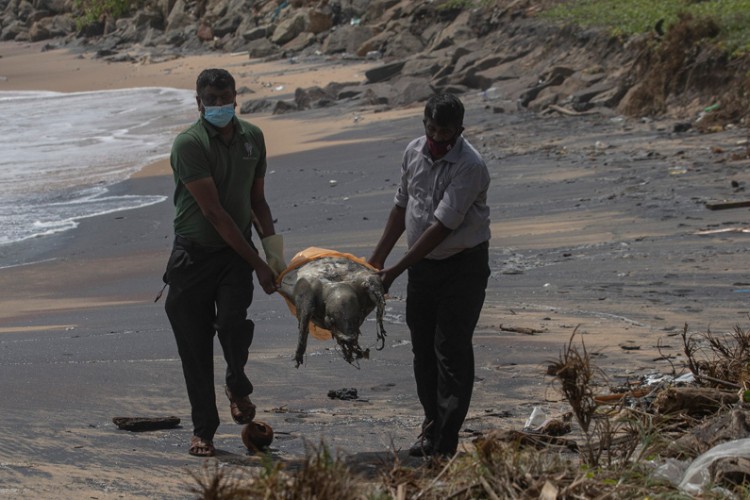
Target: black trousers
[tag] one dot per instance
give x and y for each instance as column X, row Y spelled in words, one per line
column 444, row 300
column 209, row 293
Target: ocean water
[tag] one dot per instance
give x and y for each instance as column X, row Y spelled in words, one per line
column 60, row 153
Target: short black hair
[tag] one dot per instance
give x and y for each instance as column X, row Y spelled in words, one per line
column 214, row 77
column 445, row 109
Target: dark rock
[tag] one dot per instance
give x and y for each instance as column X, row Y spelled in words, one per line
column 256, row 106
column 260, row 48
column 500, row 45
column 347, row 39
column 412, row 89
column 254, row 33
column 306, row 98
column 384, row 72
column 282, row 107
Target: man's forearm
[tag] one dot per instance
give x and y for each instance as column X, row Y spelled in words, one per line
column 232, row 235
column 394, row 228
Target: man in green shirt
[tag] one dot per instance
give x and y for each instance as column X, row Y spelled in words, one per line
column 219, row 164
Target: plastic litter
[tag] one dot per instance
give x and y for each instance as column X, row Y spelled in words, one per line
column 490, row 94
column 697, row 475
column 536, row 419
column 671, row 470
column 712, row 107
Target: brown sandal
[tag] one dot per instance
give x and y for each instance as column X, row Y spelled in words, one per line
column 242, row 409
column 200, row 447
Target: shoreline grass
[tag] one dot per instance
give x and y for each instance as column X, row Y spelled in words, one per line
column 632, row 17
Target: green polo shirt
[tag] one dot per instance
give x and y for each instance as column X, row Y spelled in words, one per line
column 197, row 153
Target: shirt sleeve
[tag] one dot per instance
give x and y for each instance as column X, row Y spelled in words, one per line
column 188, row 159
column 461, row 193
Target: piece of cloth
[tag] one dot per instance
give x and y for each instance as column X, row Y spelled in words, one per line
column 198, row 153
column 273, row 247
column 443, row 303
column 452, row 190
column 345, row 394
column 302, row 258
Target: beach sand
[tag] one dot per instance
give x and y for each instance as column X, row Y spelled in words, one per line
column 595, row 232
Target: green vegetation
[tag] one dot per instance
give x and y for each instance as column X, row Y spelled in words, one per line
column 628, row 17
column 94, row 10
column 463, row 4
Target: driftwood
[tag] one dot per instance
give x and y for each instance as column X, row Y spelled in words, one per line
column 722, row 205
column 520, row 329
column 719, row 429
column 610, row 399
column 693, row 401
column 139, row 424
column 538, row 441
column 732, row 470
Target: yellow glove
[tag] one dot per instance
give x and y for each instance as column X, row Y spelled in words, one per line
column 273, row 247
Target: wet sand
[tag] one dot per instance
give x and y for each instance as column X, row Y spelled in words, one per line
column 599, row 228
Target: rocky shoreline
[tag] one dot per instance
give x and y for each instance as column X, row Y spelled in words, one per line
column 505, row 49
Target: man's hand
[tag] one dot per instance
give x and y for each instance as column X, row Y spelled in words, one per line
column 266, row 278
column 388, row 276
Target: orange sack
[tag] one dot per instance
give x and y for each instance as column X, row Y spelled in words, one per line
column 307, row 255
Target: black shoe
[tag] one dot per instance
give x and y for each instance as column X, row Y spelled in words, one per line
column 424, row 447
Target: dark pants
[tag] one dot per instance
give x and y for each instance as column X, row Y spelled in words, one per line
column 444, row 299
column 209, row 293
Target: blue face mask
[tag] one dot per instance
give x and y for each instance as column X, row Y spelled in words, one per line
column 219, row 116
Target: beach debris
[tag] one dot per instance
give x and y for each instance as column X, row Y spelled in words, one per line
column 536, row 419
column 629, row 345
column 345, row 394
column 725, row 230
column 723, row 205
column 725, row 463
column 331, row 294
column 723, row 427
column 538, row 441
column 140, row 424
column 257, row 436
column 556, row 426
column 539, row 423
column 333, row 182
column 677, row 170
column 693, row 401
column 519, row 329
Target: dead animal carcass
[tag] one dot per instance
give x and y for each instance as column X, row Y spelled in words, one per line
column 335, row 293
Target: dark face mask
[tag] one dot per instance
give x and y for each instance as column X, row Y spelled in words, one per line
column 449, row 136
column 439, row 149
